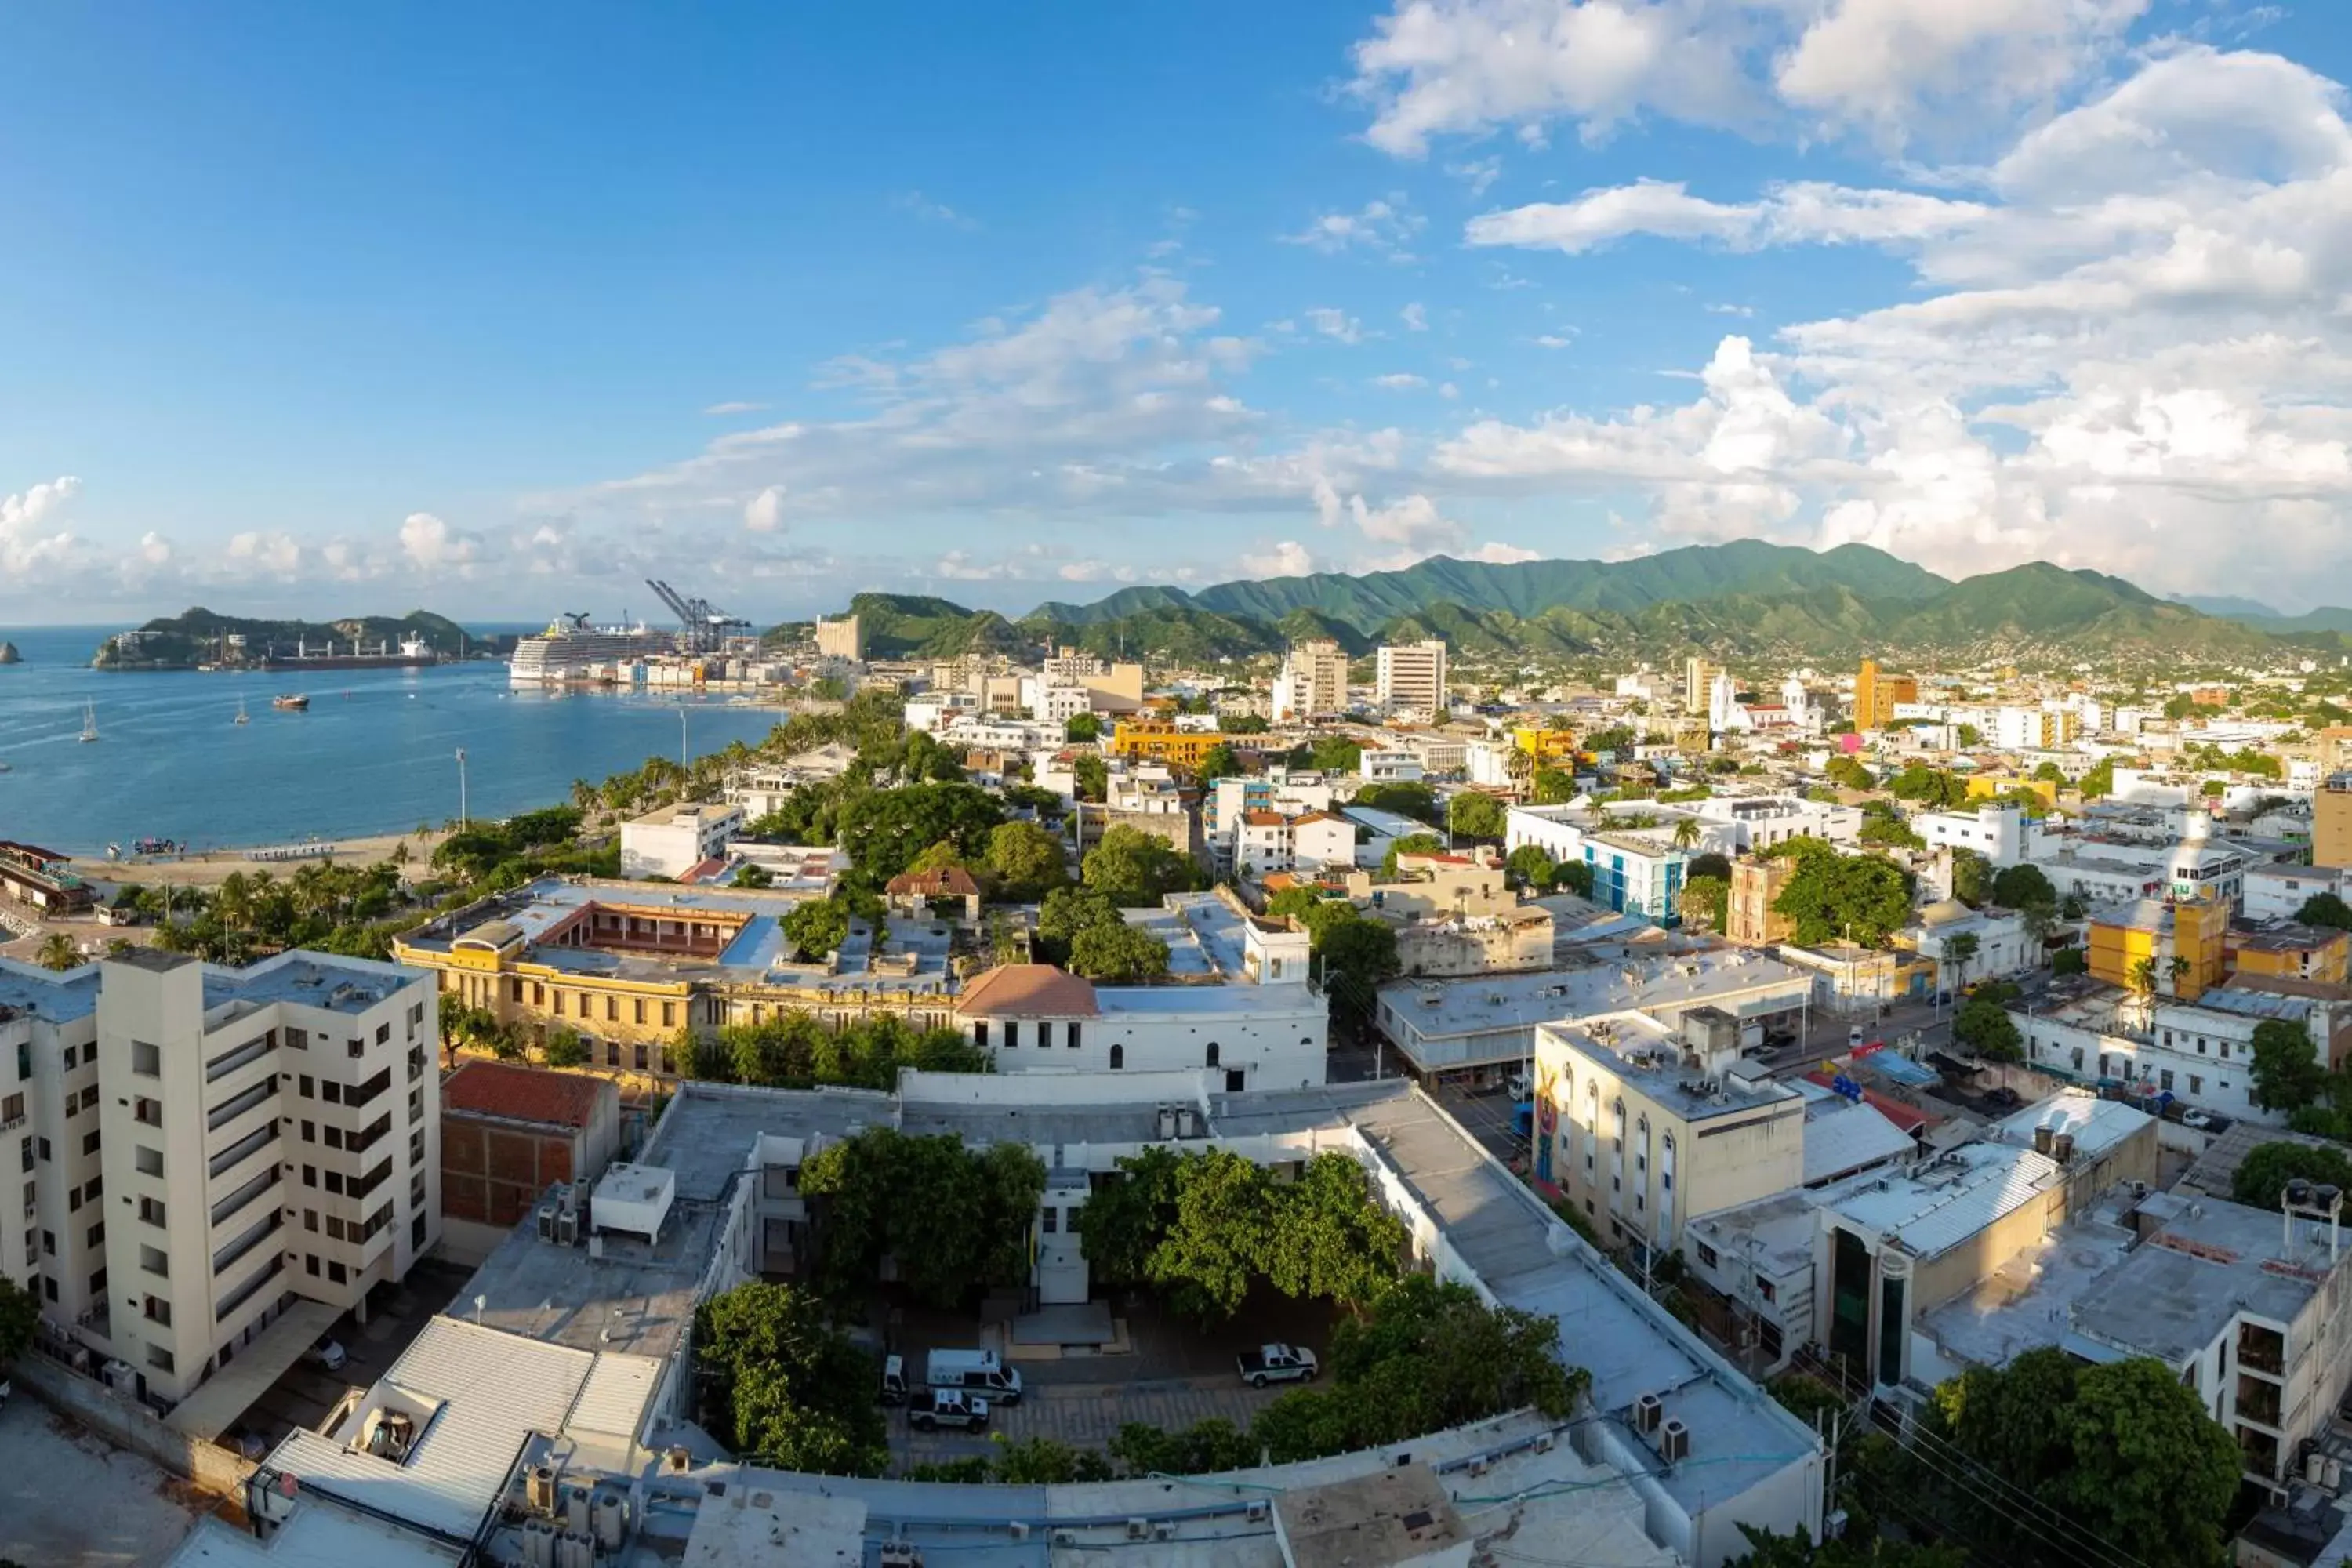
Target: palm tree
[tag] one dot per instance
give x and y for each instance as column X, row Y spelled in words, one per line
column 586, row 796
column 1686, row 832
column 58, row 951
column 2177, row 971
column 1519, row 766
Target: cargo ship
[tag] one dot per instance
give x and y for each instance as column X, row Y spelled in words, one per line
column 571, row 649
column 414, row 653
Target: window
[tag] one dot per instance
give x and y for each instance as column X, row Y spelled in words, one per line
column 331, row 1092
column 1764, row 1289
column 980, row 1032
column 642, row 1058
column 311, row 1264
column 1071, row 1029
column 2196, row 1084
column 1050, row 1221
column 611, row 1053
column 309, row 1175
column 48, row 1244
column 13, row 1107
column 89, row 1142
column 334, row 1228
column 159, row 1311
column 151, row 1211
column 148, row 1162
column 95, row 1235
column 1117, row 1058
column 311, row 1219
column 2165, row 1078
column 298, row 1039
column 1213, row 1053
column 669, row 1013
column 612, row 1009
column 640, row 1008
column 337, row 1274
column 147, row 1112
column 159, row 1358
column 146, row 1060
column 155, row 1261
column 1706, row 1255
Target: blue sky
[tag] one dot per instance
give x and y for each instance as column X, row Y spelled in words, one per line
column 357, row 308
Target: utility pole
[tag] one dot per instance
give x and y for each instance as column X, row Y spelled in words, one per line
column 683, row 759
column 461, row 786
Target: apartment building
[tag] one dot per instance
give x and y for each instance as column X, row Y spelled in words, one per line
column 674, row 839
column 202, row 1149
column 1877, row 693
column 841, row 637
column 1411, row 675
column 2331, row 822
column 1698, row 680
column 1634, row 871
column 1750, row 918
column 1314, row 681
column 2173, row 949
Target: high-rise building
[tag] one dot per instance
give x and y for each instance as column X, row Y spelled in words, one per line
column 1876, row 693
column 1314, row 681
column 204, row 1149
column 1757, row 885
column 2331, row 822
column 1698, row 680
column 1412, row 675
column 842, row 638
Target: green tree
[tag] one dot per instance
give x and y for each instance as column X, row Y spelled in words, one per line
column 1832, row 896
column 1573, row 876
column 1126, row 1220
column 1932, row 787
column 1707, row 901
column 1026, row 861
column 1328, row 1236
column 1081, row 728
column 1796, row 1549
column 1335, row 755
column 20, row 1316
column 1219, row 761
column 1847, row 773
column 1065, row 912
column 1531, row 865
column 1969, row 737
column 1210, row 1255
column 816, row 927
column 2048, row 772
column 564, row 1047
column 1959, row 952
column 1119, row 952
column 1135, row 870
column 2022, row 888
column 754, row 876
column 1984, row 1026
column 1355, row 956
column 2070, row 961
column 784, row 1387
column 2267, row 1168
column 956, row 1221
column 2100, row 780
column 1090, row 776
column 884, row 830
column 1709, row 863
column 2326, row 910
column 1405, row 799
column 58, row 951
column 1411, row 844
column 1972, row 878
column 2287, row 1071
column 1470, row 814
column 1553, row 786
column 1293, row 901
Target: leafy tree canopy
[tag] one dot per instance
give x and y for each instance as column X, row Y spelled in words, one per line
column 1470, row 814
column 784, row 1387
column 1134, row 868
column 1834, row 897
column 956, row 1220
column 2287, row 1070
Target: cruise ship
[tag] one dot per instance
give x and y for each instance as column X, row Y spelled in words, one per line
column 571, row 649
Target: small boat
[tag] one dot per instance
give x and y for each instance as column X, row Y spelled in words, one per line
column 89, row 721
column 293, row 702
column 242, row 717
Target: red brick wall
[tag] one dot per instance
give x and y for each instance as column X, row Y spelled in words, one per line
column 493, row 1173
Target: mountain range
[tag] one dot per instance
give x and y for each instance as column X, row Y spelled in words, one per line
column 2262, row 619
column 1743, row 599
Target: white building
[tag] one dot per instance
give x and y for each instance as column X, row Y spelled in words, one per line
column 672, row 840
column 1411, row 675
column 1389, row 766
column 1314, row 681
column 1998, row 937
column 2002, row 834
column 1760, row 821
column 1634, row 871
column 208, row 1153
column 2278, row 892
column 2200, row 1053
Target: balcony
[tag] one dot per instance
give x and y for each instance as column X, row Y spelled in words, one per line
column 359, row 1142
column 2261, row 1349
column 2259, row 1401
column 254, row 1237
column 243, row 1149
column 369, row 1183
column 366, row 1093
column 229, row 1109
column 227, row 1208
column 245, row 1055
column 245, row 1292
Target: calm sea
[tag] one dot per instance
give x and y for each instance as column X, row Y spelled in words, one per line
column 375, row 754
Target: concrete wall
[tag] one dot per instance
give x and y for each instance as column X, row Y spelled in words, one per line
column 204, row 1465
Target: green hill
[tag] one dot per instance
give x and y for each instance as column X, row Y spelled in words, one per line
column 199, row 635
column 1747, row 598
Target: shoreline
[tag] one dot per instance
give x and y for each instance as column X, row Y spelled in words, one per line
column 214, row 863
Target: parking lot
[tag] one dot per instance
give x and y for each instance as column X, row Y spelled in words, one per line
column 307, row 1393
column 1173, row 1374
column 69, row 1500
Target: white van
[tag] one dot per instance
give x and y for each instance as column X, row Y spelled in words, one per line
column 975, row 1371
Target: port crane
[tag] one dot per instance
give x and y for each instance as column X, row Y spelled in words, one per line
column 701, row 627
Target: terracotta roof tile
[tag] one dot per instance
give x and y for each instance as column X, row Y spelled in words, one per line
column 947, row 882
column 1028, row 990
column 524, row 1094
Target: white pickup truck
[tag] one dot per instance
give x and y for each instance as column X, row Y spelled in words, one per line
column 1277, row 1363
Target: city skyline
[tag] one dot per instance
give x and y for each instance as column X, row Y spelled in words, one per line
column 357, row 314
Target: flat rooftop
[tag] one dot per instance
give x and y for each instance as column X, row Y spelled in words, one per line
column 2212, row 1259
column 1934, row 1208
column 1648, row 1055
column 1741, row 983
column 2029, row 1301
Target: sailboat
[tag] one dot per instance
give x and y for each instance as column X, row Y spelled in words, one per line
column 241, row 718
column 89, row 721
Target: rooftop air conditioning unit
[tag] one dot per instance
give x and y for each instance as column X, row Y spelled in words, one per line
column 1139, row 1530
column 900, row 1554
column 546, row 1213
column 1258, row 1511
column 1066, row 1538
column 1648, row 1410
column 1019, row 1528
column 1674, row 1442
column 567, row 1227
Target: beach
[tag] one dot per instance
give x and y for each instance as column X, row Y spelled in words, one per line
column 208, row 868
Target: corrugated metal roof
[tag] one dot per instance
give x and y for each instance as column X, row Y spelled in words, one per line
column 613, row 1399
column 1951, row 1199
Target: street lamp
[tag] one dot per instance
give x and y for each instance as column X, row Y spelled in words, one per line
column 683, row 761
column 461, row 786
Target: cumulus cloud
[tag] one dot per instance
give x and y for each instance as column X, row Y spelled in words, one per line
column 1805, row 213
column 433, row 545
column 1336, row 324
column 273, row 553
column 1400, row 381
column 1380, row 227
column 764, row 512
column 1287, row 559
column 27, row 541
column 1881, row 69
column 1415, row 318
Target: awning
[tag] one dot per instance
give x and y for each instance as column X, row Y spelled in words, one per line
column 230, row 1393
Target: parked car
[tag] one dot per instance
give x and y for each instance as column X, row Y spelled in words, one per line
column 1277, row 1363
column 327, row 1353
column 928, row 1409
column 894, row 1380
column 982, row 1373
column 1518, row 1086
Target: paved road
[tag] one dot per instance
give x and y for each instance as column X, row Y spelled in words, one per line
column 1087, row 1415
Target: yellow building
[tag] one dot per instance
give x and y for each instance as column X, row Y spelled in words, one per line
column 2283, row 949
column 1698, row 677
column 1990, row 786
column 1548, row 747
column 2185, row 946
column 2331, row 822
column 1639, row 1141
column 1161, row 741
column 627, row 966
column 1750, row 919
column 1876, row 694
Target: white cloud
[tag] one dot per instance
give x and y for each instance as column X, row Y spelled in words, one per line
column 1498, row 553
column 273, row 553
column 930, row 211
column 1885, row 70
column 1797, row 214
column 1556, row 340
column 1287, row 559
column 25, row 543
column 725, row 408
column 433, row 545
column 1416, row 316
column 1381, row 227
column 1400, row 381
column 1721, row 310
column 764, row 512
column 1336, row 324
column 1478, row 174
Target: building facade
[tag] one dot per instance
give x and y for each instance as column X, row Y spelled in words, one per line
column 1314, row 681
column 1411, row 675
